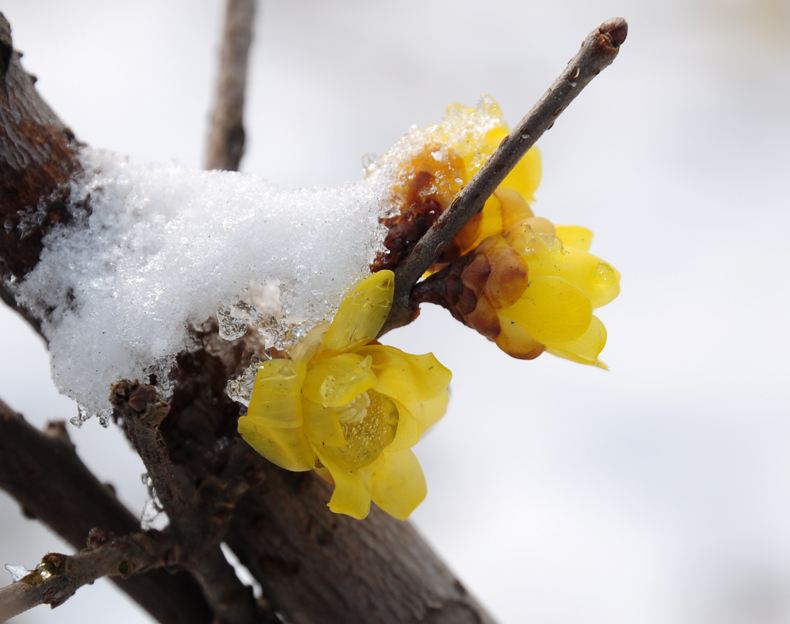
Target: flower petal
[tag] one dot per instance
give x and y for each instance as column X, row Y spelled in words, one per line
column 575, row 236
column 400, row 485
column 361, row 314
column 514, row 207
column 409, row 429
column 308, row 346
column 337, row 380
column 406, row 377
column 321, row 425
column 586, row 348
column 351, row 495
column 287, row 448
column 430, row 411
column 277, row 394
column 599, row 280
column 516, row 341
column 552, row 310
column 525, row 176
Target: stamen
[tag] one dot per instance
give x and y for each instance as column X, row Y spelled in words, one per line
column 354, row 411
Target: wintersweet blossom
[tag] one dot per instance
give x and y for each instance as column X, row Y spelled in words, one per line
column 565, row 284
column 530, row 290
column 350, row 408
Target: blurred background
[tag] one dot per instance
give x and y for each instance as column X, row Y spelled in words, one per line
column 658, row 492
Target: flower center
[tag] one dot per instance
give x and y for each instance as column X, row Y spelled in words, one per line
column 354, row 411
column 369, row 425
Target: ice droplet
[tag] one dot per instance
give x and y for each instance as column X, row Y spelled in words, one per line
column 17, row 572
column 239, row 387
column 605, row 275
column 369, row 162
column 81, row 417
column 153, row 512
column 230, row 326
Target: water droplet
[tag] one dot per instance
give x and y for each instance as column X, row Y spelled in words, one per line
column 524, row 136
column 605, row 275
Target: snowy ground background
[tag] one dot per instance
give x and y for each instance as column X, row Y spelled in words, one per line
column 657, row 493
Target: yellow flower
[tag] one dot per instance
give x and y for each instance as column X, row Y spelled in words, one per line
column 565, row 284
column 442, row 160
column 509, row 204
column 350, row 408
column 530, row 290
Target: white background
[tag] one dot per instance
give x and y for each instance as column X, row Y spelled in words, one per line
column 656, row 493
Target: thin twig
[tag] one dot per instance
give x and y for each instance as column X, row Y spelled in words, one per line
column 43, row 472
column 226, row 136
column 598, row 51
column 58, row 576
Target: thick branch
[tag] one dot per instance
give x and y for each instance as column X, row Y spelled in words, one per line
column 597, row 52
column 44, row 473
column 226, row 137
column 58, row 576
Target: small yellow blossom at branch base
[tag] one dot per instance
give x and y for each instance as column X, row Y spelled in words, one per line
column 350, row 408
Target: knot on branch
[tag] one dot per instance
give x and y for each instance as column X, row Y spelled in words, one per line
column 139, row 401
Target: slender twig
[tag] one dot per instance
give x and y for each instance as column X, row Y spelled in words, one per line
column 598, row 51
column 226, row 136
column 58, row 576
column 43, row 472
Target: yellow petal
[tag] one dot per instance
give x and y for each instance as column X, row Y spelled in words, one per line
column 406, row 377
column 516, row 341
column 525, row 176
column 599, row 280
column 430, row 411
column 351, row 495
column 552, row 310
column 287, row 448
column 337, row 380
column 409, row 430
column 586, row 348
column 361, row 314
column 321, row 425
column 277, row 394
column 514, row 207
column 400, row 485
column 492, row 219
column 308, row 346
column 575, row 236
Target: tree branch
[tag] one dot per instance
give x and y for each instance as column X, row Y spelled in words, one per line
column 58, row 576
column 597, row 52
column 198, row 516
column 226, row 136
column 45, row 475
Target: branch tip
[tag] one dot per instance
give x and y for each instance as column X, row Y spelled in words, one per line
column 616, row 30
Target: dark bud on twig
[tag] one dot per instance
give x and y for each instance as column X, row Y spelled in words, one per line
column 616, row 29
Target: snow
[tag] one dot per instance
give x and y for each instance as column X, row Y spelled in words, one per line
column 165, row 246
